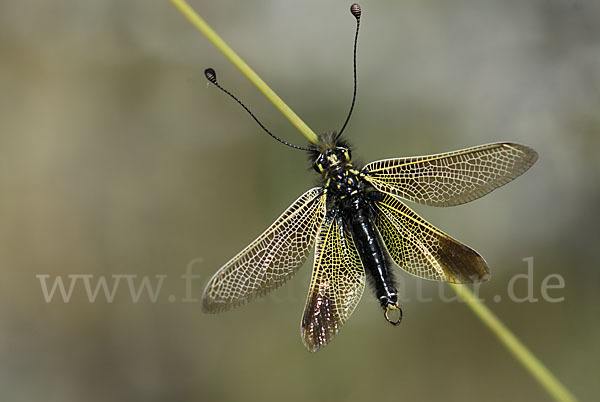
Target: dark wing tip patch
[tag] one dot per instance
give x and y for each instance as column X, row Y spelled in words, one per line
column 461, row 263
column 319, row 325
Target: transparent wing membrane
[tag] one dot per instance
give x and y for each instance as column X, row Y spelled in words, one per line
column 337, row 283
column 271, row 259
column 451, row 178
column 422, row 250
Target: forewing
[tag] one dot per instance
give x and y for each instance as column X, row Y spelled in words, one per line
column 422, row 250
column 337, row 283
column 451, row 178
column 271, row 259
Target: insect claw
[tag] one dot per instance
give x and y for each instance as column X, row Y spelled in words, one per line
column 390, row 308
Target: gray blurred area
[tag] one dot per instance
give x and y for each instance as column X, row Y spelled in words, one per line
column 118, row 159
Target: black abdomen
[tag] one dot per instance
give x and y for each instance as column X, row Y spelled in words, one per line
column 367, row 241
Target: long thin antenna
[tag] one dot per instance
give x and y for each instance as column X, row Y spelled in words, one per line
column 211, row 76
column 356, row 12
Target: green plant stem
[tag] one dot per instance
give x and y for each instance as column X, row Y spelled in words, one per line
column 195, row 19
column 533, row 365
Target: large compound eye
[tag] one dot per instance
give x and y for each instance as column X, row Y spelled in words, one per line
column 345, row 153
column 319, row 164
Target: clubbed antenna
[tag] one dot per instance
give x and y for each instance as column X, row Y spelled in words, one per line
column 356, row 12
column 211, row 76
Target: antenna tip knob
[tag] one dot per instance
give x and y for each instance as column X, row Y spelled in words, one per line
column 211, row 75
column 355, row 10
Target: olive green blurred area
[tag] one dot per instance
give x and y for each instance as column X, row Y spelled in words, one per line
column 118, row 159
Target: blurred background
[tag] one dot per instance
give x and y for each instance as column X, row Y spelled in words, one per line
column 118, row 159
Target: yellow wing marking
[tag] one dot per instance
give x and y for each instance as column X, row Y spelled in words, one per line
column 423, row 250
column 337, row 284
